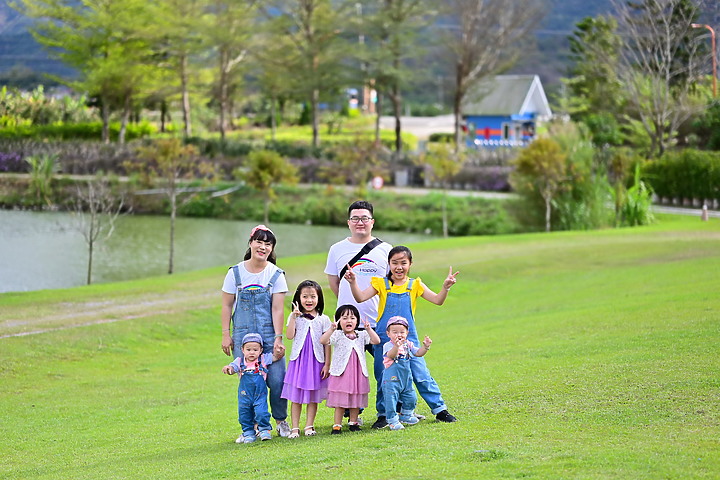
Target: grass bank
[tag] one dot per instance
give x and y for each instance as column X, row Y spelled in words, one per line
column 568, row 355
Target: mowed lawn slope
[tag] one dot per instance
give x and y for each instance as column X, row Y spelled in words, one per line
column 586, row 355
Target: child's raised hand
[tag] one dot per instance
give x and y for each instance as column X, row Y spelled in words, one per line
column 427, row 342
column 333, row 326
column 295, row 309
column 450, row 280
column 349, row 275
column 227, row 369
column 366, row 324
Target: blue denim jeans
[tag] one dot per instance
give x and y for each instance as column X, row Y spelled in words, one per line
column 427, row 387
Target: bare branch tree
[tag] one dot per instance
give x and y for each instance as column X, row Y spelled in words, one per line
column 96, row 208
column 658, row 65
column 485, row 40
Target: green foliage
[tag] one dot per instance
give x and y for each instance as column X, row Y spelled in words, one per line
column 604, row 128
column 540, row 169
column 583, row 203
column 708, row 127
column 595, row 46
column 42, row 170
column 685, row 174
column 19, row 109
column 637, row 209
column 265, row 169
column 75, row 131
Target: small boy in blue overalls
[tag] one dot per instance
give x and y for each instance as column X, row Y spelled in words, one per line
column 252, row 391
column 397, row 381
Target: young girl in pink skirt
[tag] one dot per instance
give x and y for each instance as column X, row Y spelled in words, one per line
column 308, row 369
column 348, row 386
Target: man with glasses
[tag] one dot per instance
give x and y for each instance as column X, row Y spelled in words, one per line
column 372, row 264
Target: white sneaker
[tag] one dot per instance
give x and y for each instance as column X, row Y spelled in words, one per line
column 283, row 429
column 360, row 421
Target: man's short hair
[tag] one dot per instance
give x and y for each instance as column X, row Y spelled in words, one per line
column 360, row 205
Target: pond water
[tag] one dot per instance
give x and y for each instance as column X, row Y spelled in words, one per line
column 41, row 250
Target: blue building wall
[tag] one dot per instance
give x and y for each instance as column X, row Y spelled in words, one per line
column 511, row 130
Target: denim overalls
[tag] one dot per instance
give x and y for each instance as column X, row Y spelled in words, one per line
column 397, row 387
column 252, row 399
column 253, row 314
column 401, row 304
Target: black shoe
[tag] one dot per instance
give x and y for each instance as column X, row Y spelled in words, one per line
column 336, row 430
column 354, row 427
column 445, row 416
column 381, row 422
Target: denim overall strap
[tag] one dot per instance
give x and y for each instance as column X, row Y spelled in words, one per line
column 397, row 387
column 252, row 401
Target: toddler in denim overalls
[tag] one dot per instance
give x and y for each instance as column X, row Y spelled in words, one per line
column 397, row 382
column 252, row 369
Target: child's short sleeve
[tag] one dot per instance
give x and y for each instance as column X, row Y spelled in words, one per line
column 267, row 358
column 365, row 337
column 387, row 346
column 412, row 348
column 335, row 336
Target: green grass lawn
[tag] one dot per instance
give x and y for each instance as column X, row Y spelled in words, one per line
column 586, row 355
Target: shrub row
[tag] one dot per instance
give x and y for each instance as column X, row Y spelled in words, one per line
column 74, row 131
column 686, row 174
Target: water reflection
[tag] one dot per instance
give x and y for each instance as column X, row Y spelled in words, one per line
column 41, row 250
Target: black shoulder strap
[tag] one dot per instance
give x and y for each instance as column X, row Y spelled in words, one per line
column 363, row 251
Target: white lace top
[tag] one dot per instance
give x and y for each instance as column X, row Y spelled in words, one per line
column 316, row 327
column 343, row 346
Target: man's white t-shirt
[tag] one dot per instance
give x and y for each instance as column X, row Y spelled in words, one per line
column 372, row 264
column 255, row 281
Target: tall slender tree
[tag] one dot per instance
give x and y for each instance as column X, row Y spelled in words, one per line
column 312, row 26
column 486, row 40
column 658, row 63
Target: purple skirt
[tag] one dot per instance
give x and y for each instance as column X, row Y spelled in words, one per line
column 303, row 383
column 349, row 390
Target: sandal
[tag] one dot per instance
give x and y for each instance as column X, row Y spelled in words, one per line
column 310, row 431
column 336, row 429
column 294, row 433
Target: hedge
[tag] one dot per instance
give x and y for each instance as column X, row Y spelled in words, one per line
column 685, row 175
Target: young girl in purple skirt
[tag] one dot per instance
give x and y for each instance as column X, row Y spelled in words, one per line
column 307, row 372
column 348, row 386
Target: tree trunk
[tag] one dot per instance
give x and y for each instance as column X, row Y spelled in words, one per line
column 187, row 127
column 273, row 123
column 444, row 214
column 223, row 93
column 105, row 121
column 548, row 207
column 124, row 121
column 397, row 111
column 173, row 209
column 315, row 118
column 457, row 107
column 90, row 261
column 378, row 112
column 266, row 213
column 163, row 114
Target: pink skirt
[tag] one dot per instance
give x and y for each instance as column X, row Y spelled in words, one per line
column 303, row 383
column 349, row 390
